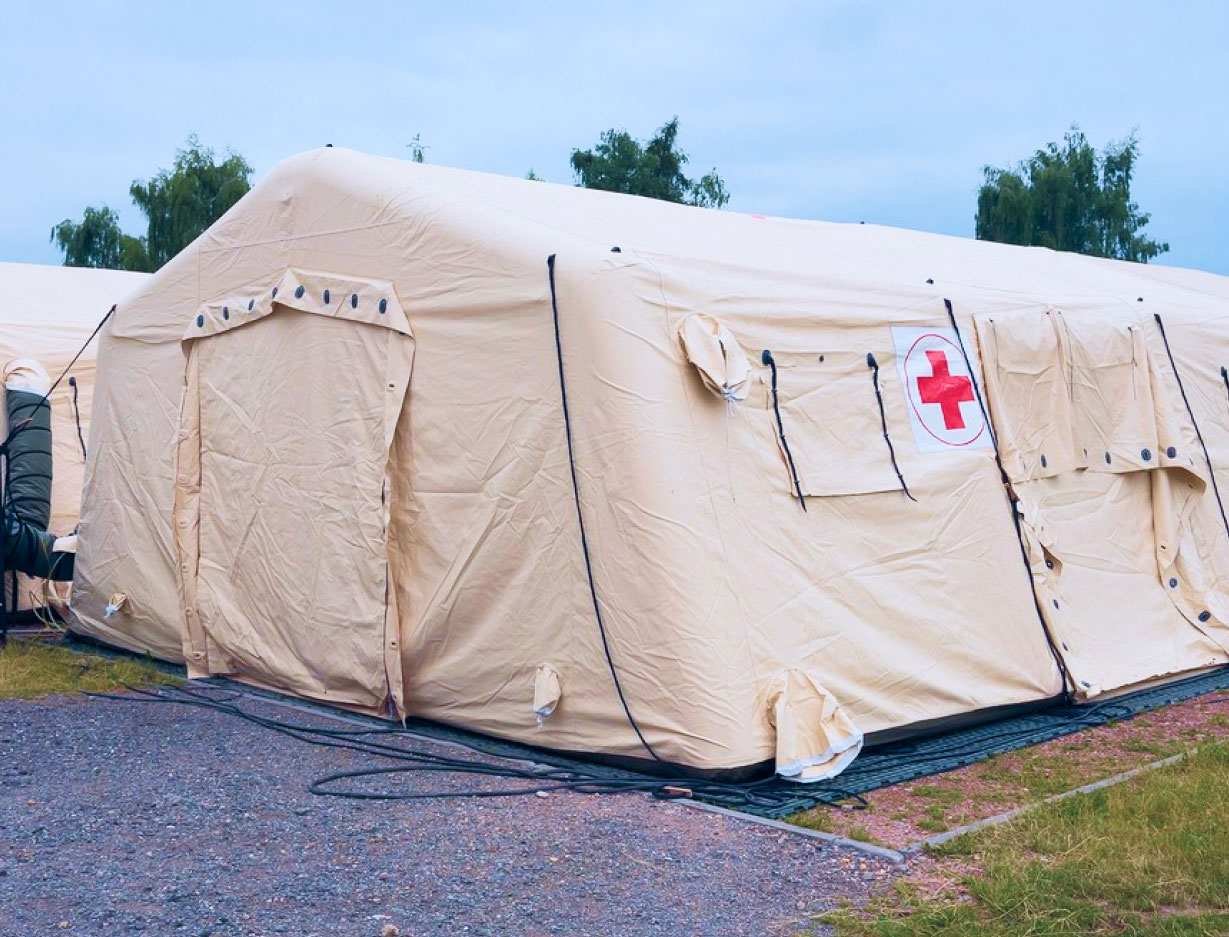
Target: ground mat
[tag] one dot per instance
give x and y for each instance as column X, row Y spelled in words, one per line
column 888, row 764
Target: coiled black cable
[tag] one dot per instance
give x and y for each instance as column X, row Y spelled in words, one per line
column 767, row 795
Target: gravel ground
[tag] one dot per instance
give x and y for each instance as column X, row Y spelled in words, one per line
column 119, row 818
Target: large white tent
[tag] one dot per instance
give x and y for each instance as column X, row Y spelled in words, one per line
column 615, row 476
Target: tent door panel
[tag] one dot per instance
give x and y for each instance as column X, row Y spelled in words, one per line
column 290, row 582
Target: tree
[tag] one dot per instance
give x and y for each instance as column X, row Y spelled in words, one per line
column 181, row 202
column 178, row 204
column 1069, row 198
column 97, row 241
column 620, row 163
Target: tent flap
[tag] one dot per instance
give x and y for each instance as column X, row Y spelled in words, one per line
column 816, row 739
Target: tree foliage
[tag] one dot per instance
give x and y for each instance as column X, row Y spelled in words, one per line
column 178, row 203
column 1069, row 197
column 97, row 241
column 620, row 163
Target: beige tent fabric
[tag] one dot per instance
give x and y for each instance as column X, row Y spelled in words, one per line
column 46, row 315
column 816, row 740
column 716, row 588
column 717, row 356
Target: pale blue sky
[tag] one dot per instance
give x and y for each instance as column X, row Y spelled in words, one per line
column 841, row 111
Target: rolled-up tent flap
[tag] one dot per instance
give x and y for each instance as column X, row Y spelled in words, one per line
column 816, row 739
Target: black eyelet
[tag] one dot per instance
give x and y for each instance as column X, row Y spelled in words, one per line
column 1146, row 455
column 354, row 300
column 1043, row 461
column 298, row 293
column 1108, row 458
column 1171, row 452
column 251, row 304
column 275, row 292
column 200, row 322
column 226, row 312
column 383, row 306
column 1173, row 583
column 1204, row 616
column 326, row 297
column 1056, row 603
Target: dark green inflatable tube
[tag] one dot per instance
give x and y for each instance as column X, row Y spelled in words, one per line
column 28, row 546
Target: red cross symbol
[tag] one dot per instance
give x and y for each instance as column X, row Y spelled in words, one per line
column 948, row 390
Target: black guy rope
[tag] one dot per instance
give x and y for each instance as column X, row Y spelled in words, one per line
column 1190, row 412
column 1012, row 502
column 883, row 419
column 771, row 362
column 580, row 517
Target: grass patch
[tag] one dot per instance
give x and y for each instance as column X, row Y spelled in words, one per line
column 1147, row 857
column 32, row 669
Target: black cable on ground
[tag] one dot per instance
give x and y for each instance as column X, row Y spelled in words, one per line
column 1195, row 423
column 883, row 419
column 378, row 742
column 770, row 796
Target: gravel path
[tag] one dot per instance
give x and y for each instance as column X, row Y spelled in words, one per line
column 119, row 818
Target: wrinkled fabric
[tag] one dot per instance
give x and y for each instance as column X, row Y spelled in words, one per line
column 402, row 502
column 816, row 739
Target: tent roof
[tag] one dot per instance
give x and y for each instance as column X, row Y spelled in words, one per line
column 892, row 258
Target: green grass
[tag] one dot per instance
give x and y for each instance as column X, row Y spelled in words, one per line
column 1146, row 858
column 31, row 669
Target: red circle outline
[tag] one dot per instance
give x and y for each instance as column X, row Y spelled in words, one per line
column 909, row 385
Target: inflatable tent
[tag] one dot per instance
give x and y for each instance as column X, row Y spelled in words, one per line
column 615, row 476
column 46, row 315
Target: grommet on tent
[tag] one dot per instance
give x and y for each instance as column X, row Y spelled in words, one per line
column 354, row 300
column 383, row 306
column 200, row 321
column 1055, row 602
column 298, row 293
column 1146, row 455
column 930, row 281
column 1043, row 461
column 251, row 304
column 1173, row 583
column 1049, row 563
column 1171, row 452
column 325, row 297
column 1204, row 616
column 1108, row 458
column 275, row 292
column 1139, row 299
column 226, row 312
column 616, row 249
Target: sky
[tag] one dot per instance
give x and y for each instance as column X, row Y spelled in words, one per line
column 881, row 112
